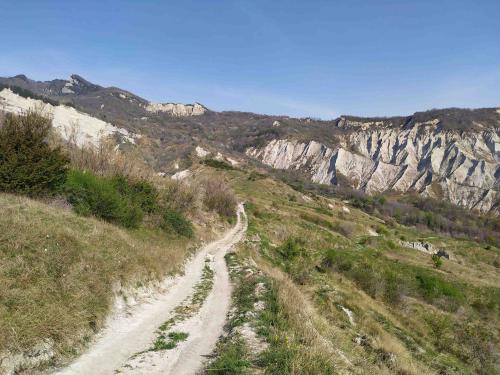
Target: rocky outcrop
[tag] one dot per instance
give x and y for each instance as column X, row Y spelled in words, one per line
column 461, row 166
column 175, row 109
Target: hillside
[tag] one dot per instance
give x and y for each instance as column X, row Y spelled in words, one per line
column 62, row 272
column 346, row 292
column 449, row 154
column 286, row 276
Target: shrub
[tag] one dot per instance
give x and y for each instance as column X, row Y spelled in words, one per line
column 28, row 165
column 141, row 192
column 176, row 222
column 292, row 248
column 436, row 259
column 105, row 159
column 99, row 196
column 254, row 176
column 394, row 287
column 180, row 196
column 337, row 260
column 366, row 277
column 218, row 164
column 219, row 197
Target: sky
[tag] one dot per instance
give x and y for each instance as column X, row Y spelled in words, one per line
column 300, row 58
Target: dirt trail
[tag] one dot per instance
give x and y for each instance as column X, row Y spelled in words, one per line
column 116, row 348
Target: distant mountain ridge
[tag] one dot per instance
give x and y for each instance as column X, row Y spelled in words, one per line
column 450, row 154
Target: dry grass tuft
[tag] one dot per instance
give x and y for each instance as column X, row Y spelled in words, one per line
column 219, row 197
column 106, row 159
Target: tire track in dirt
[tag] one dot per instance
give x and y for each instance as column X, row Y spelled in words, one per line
column 125, row 336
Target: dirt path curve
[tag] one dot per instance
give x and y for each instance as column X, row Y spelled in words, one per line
column 128, row 335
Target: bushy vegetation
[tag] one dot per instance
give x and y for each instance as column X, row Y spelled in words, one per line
column 28, row 164
column 387, row 307
column 219, row 197
column 412, row 210
column 105, row 159
column 111, row 199
column 390, row 280
column 218, row 164
column 176, row 222
column 103, row 182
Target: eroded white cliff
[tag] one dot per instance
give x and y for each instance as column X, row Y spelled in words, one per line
column 462, row 167
column 70, row 123
column 176, row 109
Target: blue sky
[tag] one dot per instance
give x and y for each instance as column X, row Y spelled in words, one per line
column 300, row 58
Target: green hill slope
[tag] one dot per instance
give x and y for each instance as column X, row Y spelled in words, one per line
column 348, row 293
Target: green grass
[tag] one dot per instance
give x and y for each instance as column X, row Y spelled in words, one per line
column 286, row 349
column 169, row 341
column 231, row 358
column 451, row 311
column 184, row 311
column 176, row 222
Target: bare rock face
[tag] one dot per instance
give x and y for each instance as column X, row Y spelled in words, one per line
column 175, row 109
column 460, row 166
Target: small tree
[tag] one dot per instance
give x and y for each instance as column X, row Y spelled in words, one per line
column 438, row 262
column 28, row 165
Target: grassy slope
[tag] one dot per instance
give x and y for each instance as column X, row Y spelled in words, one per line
column 59, row 271
column 448, row 326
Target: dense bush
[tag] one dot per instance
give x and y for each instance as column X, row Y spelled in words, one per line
column 180, row 196
column 101, row 197
column 433, row 287
column 218, row 164
column 291, row 249
column 176, row 222
column 141, row 193
column 28, row 165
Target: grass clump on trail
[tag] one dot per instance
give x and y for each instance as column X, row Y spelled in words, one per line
column 169, row 341
column 184, row 311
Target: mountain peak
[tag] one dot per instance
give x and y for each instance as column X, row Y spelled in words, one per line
column 78, row 79
column 21, row 76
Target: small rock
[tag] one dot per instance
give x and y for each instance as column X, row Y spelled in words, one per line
column 362, row 340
